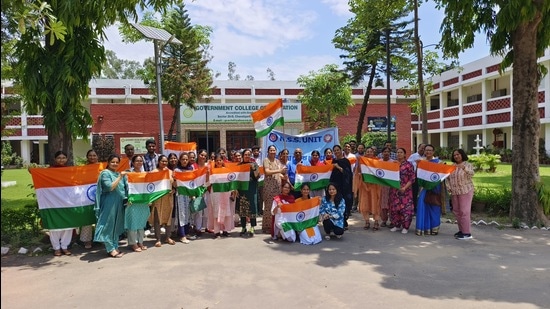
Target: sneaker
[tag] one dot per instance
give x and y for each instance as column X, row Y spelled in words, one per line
column 458, row 234
column 391, row 226
column 147, row 232
column 464, row 237
column 404, row 231
column 243, row 232
column 192, row 237
column 339, row 236
column 393, row 229
column 251, row 232
column 327, row 237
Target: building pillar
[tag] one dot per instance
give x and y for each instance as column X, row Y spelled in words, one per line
column 26, row 149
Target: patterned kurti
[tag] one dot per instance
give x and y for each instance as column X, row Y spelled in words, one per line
column 272, row 187
column 401, row 203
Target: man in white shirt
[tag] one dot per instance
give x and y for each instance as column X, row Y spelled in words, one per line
column 414, row 158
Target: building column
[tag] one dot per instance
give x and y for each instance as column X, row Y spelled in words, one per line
column 26, row 149
column 42, row 153
column 223, row 138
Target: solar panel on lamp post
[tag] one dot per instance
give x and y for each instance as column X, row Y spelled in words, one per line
column 160, row 38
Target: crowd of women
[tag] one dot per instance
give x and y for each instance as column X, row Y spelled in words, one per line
column 188, row 217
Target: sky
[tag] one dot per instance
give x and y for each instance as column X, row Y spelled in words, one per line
column 291, row 37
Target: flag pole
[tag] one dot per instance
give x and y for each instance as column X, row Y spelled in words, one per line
column 283, row 115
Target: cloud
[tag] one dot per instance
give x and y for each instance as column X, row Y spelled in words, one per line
column 339, row 7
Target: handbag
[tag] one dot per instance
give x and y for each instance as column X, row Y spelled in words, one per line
column 197, row 204
column 432, row 198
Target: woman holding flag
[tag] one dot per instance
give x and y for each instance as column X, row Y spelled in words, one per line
column 342, row 176
column 182, row 201
column 248, row 199
column 199, row 218
column 135, row 215
column 220, row 217
column 161, row 209
column 369, row 196
column 274, row 171
column 61, row 238
column 316, row 161
column 111, row 190
column 87, row 231
column 401, row 200
column 428, row 216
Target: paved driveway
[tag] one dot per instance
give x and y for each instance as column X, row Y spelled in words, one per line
column 497, row 269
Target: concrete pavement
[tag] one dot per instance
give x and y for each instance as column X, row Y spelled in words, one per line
column 497, row 269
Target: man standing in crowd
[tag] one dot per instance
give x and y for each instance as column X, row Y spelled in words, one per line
column 414, row 158
column 296, row 159
column 151, row 157
column 393, row 155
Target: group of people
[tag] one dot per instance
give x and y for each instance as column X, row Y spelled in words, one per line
column 388, row 207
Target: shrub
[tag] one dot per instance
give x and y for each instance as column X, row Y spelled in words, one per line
column 484, row 161
column 20, row 226
column 497, row 200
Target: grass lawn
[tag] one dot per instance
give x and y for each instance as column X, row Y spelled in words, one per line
column 503, row 177
column 21, row 194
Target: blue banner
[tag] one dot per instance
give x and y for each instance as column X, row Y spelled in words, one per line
column 313, row 140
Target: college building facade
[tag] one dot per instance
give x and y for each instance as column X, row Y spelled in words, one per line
column 465, row 104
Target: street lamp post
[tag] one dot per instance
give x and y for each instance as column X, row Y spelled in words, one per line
column 160, row 38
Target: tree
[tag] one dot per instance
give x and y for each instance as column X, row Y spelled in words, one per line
column 120, row 68
column 270, row 74
column 54, row 71
column 520, row 31
column 364, row 42
column 326, row 94
column 231, row 71
column 187, row 78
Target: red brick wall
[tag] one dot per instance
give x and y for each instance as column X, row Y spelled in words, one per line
column 348, row 124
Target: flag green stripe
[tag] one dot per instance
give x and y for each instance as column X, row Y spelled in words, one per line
column 147, row 198
column 381, row 181
column 427, row 184
column 264, row 132
column 318, row 185
column 191, row 192
column 230, row 186
column 60, row 218
column 300, row 226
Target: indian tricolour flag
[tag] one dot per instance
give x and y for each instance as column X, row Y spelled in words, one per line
column 380, row 172
column 266, row 119
column 300, row 215
column 66, row 195
column 178, row 148
column 352, row 161
column 317, row 177
column 430, row 174
column 262, row 177
column 225, row 179
column 145, row 188
column 191, row 183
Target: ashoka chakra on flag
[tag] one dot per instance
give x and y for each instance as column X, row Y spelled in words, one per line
column 434, row 177
column 150, row 187
column 269, row 121
column 380, row 173
column 231, row 176
column 300, row 216
column 313, row 177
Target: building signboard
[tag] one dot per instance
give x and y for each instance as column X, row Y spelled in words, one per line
column 234, row 112
column 380, row 124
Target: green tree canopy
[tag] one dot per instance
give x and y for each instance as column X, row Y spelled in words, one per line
column 520, row 31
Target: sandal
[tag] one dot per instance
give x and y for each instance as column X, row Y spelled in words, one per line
column 376, row 226
column 136, row 248
column 367, row 226
column 158, row 244
column 184, row 240
column 88, row 245
column 57, row 253
column 170, row 241
column 66, row 251
column 142, row 246
column 116, row 254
